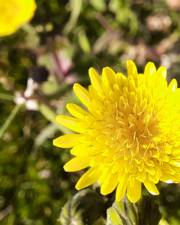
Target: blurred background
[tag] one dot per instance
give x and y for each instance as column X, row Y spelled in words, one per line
column 38, row 66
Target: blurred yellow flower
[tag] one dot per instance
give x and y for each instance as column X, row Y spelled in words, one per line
column 127, row 134
column 15, row 13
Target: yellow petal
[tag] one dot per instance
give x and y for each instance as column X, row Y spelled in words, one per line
column 134, row 190
column 150, row 68
column 76, row 111
column 82, row 94
column 120, row 79
column 173, row 85
column 121, row 188
column 175, row 163
column 131, row 68
column 104, row 173
column 176, row 152
column 108, row 77
column 168, row 178
column 162, row 71
column 71, row 123
column 77, row 163
column 109, row 184
column 66, row 141
column 88, row 178
column 14, row 14
column 95, row 80
column 83, row 150
column 151, row 187
column 79, row 150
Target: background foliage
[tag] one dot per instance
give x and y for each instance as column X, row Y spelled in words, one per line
column 38, row 66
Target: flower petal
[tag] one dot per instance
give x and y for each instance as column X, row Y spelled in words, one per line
column 108, row 77
column 175, row 163
column 173, row 85
column 150, row 68
column 95, row 80
column 109, row 184
column 121, row 188
column 162, row 71
column 76, row 164
column 134, row 190
column 82, row 94
column 151, row 187
column 66, row 141
column 84, row 150
column 88, row 178
column 76, row 111
column 131, row 68
column 71, row 123
column 14, row 14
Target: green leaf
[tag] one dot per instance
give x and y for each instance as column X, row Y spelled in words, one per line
column 83, row 41
column 99, row 5
column 145, row 212
column 69, row 216
column 163, row 222
column 75, row 7
column 85, row 208
column 113, row 218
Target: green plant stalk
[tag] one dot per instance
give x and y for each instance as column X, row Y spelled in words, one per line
column 144, row 212
column 6, row 97
column 9, row 120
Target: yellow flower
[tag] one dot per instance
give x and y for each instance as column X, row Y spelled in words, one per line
column 127, row 133
column 15, row 13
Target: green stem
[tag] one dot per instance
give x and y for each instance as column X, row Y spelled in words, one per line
column 6, row 97
column 9, row 120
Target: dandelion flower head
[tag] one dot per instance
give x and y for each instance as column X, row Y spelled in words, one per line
column 15, row 13
column 127, row 133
